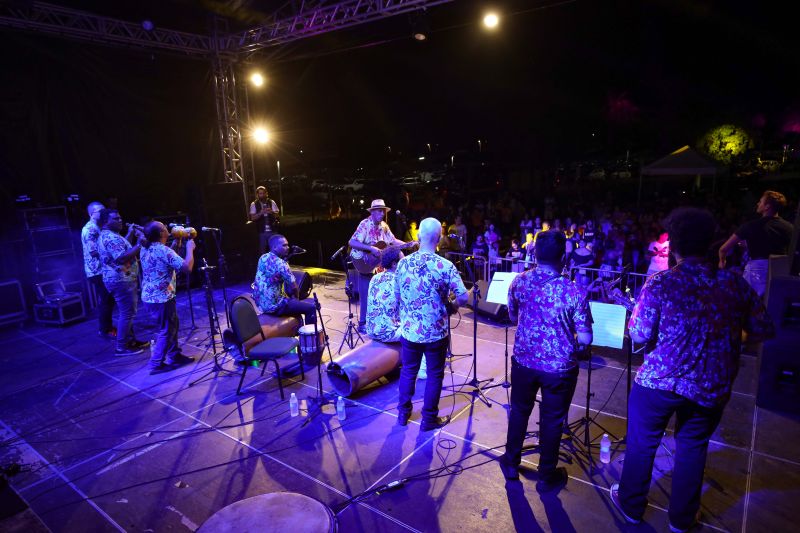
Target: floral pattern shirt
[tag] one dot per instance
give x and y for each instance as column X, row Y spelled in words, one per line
column 111, row 245
column 369, row 233
column 271, row 275
column 91, row 256
column 544, row 341
column 383, row 313
column 159, row 264
column 421, row 282
column 693, row 317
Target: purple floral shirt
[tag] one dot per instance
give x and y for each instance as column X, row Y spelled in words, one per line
column 421, row 282
column 91, row 260
column 369, row 233
column 112, row 245
column 383, row 313
column 159, row 264
column 543, row 340
column 271, row 275
column 693, row 317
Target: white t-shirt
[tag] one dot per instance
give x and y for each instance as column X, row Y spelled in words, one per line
column 657, row 262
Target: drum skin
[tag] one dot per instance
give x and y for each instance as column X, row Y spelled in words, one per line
column 277, row 512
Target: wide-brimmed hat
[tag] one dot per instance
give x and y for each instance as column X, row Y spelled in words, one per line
column 378, row 204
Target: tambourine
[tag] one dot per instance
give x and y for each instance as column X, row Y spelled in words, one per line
column 180, row 232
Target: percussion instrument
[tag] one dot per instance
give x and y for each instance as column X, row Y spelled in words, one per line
column 311, row 343
column 181, row 232
column 278, row 512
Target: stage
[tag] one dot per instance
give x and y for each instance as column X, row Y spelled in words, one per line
column 105, row 446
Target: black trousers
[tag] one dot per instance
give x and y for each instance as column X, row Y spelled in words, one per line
column 557, row 391
column 105, row 303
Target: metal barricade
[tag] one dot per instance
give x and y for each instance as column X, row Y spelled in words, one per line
column 466, row 262
column 585, row 276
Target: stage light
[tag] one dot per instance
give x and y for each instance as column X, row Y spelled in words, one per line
column 420, row 26
column 491, row 20
column 257, row 79
column 148, row 25
column 261, row 135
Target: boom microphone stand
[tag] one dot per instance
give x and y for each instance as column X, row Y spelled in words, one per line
column 320, row 399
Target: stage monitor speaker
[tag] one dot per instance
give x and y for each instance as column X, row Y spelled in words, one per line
column 304, row 284
column 779, row 374
column 493, row 311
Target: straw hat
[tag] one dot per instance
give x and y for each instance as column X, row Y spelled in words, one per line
column 378, row 204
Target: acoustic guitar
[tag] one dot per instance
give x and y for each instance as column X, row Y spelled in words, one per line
column 367, row 263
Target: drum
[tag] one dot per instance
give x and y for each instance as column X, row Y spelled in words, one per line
column 278, row 512
column 311, row 344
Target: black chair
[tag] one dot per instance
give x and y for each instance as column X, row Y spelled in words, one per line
column 245, row 324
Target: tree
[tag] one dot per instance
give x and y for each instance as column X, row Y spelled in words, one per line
column 724, row 143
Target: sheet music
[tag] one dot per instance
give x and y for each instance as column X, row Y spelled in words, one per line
column 498, row 288
column 608, row 328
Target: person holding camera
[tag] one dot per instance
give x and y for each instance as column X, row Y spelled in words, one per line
column 264, row 212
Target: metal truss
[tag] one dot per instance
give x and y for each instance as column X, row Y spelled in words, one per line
column 65, row 22
column 316, row 18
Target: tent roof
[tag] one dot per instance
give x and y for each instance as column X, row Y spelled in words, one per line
column 684, row 161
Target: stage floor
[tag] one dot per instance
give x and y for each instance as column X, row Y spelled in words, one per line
column 105, row 446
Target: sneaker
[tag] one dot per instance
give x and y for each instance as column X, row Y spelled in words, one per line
column 676, row 529
column 128, row 350
column 554, row 482
column 107, row 335
column 180, row 360
column 160, row 369
column 403, row 417
column 138, row 344
column 618, row 504
column 436, row 423
column 510, row 472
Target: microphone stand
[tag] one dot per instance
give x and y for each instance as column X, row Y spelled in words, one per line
column 351, row 335
column 320, row 399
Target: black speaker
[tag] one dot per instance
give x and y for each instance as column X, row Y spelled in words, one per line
column 493, row 311
column 304, row 284
column 779, row 374
column 225, row 208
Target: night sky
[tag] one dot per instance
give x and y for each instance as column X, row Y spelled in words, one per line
column 556, row 82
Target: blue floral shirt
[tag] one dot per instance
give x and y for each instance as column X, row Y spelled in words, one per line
column 159, row 264
column 383, row 313
column 272, row 273
column 111, row 245
column 544, row 341
column 693, row 317
column 91, row 258
column 422, row 281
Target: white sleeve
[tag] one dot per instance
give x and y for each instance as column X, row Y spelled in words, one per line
column 252, row 208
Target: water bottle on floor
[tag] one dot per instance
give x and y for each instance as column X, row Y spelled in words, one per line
column 605, row 449
column 294, row 407
column 340, row 412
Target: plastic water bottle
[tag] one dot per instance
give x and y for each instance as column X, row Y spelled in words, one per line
column 340, row 412
column 294, row 407
column 605, row 449
column 152, row 344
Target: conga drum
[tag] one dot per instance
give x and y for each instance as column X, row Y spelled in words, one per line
column 277, row 512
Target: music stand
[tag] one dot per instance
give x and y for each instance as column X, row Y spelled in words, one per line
column 608, row 330
column 498, row 294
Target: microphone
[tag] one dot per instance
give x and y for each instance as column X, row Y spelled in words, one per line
column 296, row 250
column 213, row 230
column 338, row 252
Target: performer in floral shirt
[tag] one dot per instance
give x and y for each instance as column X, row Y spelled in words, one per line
column 90, row 235
column 159, row 265
column 692, row 317
column 383, row 314
column 552, row 318
column 370, row 232
column 423, row 284
column 119, row 259
column 275, row 283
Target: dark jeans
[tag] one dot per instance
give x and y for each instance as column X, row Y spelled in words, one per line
column 291, row 307
column 263, row 242
column 166, row 347
column 650, row 411
column 127, row 297
column 557, row 390
column 411, row 356
column 363, row 295
column 105, row 303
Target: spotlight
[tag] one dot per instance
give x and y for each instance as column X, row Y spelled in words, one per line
column 420, row 25
column 261, row 135
column 257, row 79
column 148, row 25
column 491, row 20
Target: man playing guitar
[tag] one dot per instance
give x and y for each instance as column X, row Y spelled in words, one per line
column 371, row 236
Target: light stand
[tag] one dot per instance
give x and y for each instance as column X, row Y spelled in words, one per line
column 351, row 335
